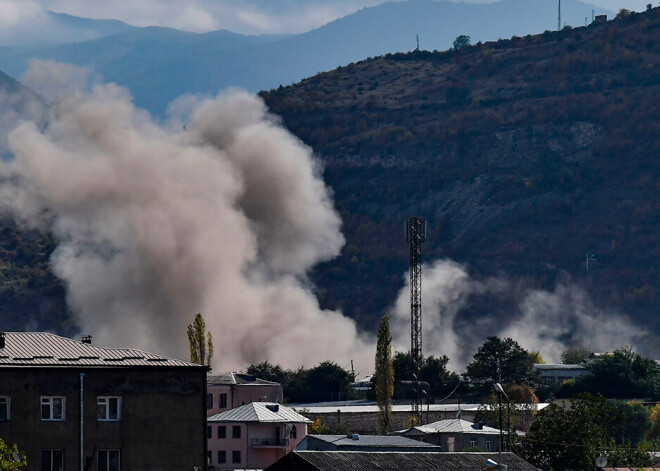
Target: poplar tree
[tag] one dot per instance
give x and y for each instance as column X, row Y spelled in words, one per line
column 201, row 348
column 384, row 374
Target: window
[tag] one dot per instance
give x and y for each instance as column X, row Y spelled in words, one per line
column 236, row 456
column 222, row 400
column 52, row 407
column 222, row 456
column 108, row 408
column 473, row 443
column 209, row 431
column 222, row 431
column 209, row 401
column 5, row 407
column 236, row 431
column 209, row 456
column 294, row 432
column 52, row 460
column 108, row 460
column 487, row 445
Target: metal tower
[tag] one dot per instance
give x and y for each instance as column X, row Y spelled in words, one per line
column 559, row 16
column 416, row 234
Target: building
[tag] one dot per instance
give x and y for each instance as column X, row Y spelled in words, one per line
column 229, row 390
column 456, row 435
column 558, row 373
column 362, row 416
column 357, row 442
column 71, row 405
column 253, row 436
column 395, row 461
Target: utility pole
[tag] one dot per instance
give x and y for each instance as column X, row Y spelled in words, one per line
column 417, row 43
column 416, row 234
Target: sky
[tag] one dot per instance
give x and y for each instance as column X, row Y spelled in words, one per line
column 240, row 16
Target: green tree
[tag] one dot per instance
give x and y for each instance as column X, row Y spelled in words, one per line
column 11, row 459
column 575, row 356
column 637, row 425
column 326, row 381
column 461, row 42
column 433, row 370
column 523, row 408
column 384, row 374
column 655, row 419
column 201, row 349
column 621, row 374
column 270, row 372
column 573, row 437
column 500, row 357
column 536, row 357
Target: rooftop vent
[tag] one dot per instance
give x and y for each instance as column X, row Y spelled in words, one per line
column 273, row 407
column 2, row 340
column 86, row 339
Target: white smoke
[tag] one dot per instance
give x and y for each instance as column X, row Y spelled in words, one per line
column 155, row 224
column 545, row 321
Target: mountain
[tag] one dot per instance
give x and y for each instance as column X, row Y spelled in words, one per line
column 159, row 64
column 46, row 28
column 525, row 155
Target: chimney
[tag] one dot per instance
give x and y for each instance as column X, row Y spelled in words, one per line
column 2, row 340
column 86, row 339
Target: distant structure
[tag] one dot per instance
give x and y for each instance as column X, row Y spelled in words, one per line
column 559, row 16
column 416, row 234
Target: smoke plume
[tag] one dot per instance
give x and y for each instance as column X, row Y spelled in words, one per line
column 543, row 321
column 155, row 224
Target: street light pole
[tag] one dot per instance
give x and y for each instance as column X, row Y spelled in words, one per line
column 500, row 391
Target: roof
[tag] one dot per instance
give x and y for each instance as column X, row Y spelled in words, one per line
column 329, row 408
column 230, row 377
column 31, row 349
column 394, row 461
column 451, row 426
column 375, row 441
column 558, row 366
column 260, row 412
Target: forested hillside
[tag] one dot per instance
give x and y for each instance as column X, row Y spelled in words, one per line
column 525, row 155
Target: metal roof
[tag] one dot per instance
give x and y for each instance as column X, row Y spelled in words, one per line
column 260, row 412
column 395, row 461
column 385, row 441
column 32, row 349
column 453, row 426
column 558, row 366
column 230, row 378
column 327, row 408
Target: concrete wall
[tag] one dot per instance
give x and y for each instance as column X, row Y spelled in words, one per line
column 367, row 422
column 162, row 424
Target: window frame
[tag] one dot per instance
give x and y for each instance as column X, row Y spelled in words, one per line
column 234, row 454
column 222, row 400
column 107, row 417
column 236, row 431
column 223, row 435
column 6, row 401
column 49, row 401
column 51, row 453
column 107, row 459
column 209, row 401
column 222, row 456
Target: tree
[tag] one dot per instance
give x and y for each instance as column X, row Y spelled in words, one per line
column 655, row 419
column 500, row 357
column 523, row 408
column 433, row 370
column 536, row 357
column 572, row 437
column 461, row 41
column 270, row 372
column 326, row 381
column 575, row 356
column 621, row 374
column 201, row 349
column 10, row 458
column 384, row 374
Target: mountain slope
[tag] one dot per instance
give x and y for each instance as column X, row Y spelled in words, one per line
column 159, row 64
column 524, row 155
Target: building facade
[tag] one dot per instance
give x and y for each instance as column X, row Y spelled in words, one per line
column 229, row 390
column 71, row 405
column 558, row 373
column 253, row 436
column 456, row 435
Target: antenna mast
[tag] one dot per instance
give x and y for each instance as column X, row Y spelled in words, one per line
column 416, row 234
column 559, row 17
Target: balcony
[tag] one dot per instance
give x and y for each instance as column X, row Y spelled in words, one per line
column 269, row 442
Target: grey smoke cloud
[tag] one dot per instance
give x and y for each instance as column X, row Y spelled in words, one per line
column 156, row 223
column 545, row 321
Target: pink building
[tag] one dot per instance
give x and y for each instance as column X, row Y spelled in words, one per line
column 226, row 391
column 253, row 436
